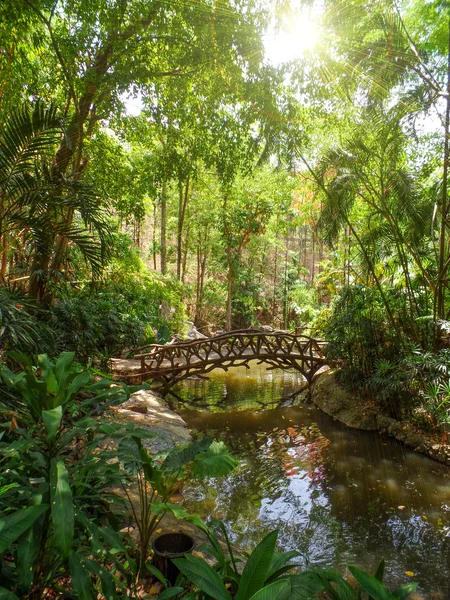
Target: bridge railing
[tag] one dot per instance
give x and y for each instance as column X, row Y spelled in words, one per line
column 271, row 345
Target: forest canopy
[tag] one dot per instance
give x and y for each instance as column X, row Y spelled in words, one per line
column 229, row 164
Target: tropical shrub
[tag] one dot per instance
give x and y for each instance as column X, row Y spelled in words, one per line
column 359, row 334
column 23, row 324
column 157, row 483
column 265, row 576
column 55, row 498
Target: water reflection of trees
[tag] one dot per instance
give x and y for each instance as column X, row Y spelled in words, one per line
column 354, row 500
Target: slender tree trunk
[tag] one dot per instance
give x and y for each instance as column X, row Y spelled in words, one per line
column 185, row 254
column 154, row 235
column 163, row 228
column 313, row 249
column 230, row 277
column 443, row 249
column 182, row 204
column 275, row 273
column 4, row 261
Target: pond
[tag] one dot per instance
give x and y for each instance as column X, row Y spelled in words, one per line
column 336, row 495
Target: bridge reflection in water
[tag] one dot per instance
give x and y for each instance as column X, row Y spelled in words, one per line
column 170, row 363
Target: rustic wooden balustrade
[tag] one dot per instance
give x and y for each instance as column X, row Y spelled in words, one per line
column 170, row 363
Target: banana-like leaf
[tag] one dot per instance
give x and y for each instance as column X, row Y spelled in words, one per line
column 62, row 367
column 28, row 550
column 371, row 585
column 278, row 590
column 81, row 580
column 257, row 567
column 280, row 564
column 78, row 382
column 203, row 576
column 305, row 585
column 61, row 506
column 14, row 525
column 179, row 512
column 52, row 420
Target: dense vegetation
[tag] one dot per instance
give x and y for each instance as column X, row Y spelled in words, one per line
column 158, row 167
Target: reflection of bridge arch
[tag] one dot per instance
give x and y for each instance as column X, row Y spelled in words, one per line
column 170, row 363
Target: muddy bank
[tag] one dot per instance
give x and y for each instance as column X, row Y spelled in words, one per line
column 358, row 413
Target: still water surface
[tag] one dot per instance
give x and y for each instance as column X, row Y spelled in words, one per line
column 337, row 495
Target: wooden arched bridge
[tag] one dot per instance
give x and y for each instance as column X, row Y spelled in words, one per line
column 170, row 363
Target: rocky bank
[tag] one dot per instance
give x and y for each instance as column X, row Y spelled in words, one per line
column 359, row 413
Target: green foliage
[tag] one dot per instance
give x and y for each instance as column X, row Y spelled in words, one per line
column 22, row 323
column 302, row 302
column 265, row 576
column 157, row 483
column 55, row 500
column 358, row 332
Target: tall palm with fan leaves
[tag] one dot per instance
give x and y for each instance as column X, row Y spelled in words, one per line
column 34, row 199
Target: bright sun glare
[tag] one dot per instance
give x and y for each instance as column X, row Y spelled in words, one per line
column 300, row 35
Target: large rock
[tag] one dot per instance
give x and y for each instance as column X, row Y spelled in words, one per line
column 343, row 405
column 146, row 409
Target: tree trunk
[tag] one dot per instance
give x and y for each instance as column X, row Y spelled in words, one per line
column 229, row 296
column 163, row 228
column 182, row 203
column 443, row 250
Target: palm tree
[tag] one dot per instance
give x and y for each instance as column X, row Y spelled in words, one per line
column 34, row 200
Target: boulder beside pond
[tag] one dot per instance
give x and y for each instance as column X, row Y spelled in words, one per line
column 343, row 405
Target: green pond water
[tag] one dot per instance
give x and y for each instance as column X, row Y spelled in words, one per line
column 337, row 495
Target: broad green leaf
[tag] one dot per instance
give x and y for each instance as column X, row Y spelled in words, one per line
column 370, row 584
column 61, row 506
column 183, row 455
column 278, row 590
column 27, row 553
column 215, row 462
column 403, row 591
column 81, row 580
column 280, row 562
column 62, row 367
column 198, row 522
column 108, row 582
column 156, row 573
column 52, row 420
column 52, row 384
column 203, row 576
column 305, row 585
column 20, row 358
column 79, row 381
column 14, row 525
column 170, row 593
column 257, row 567
column 6, row 488
column 7, row 595
column 341, row 590
column 179, row 512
